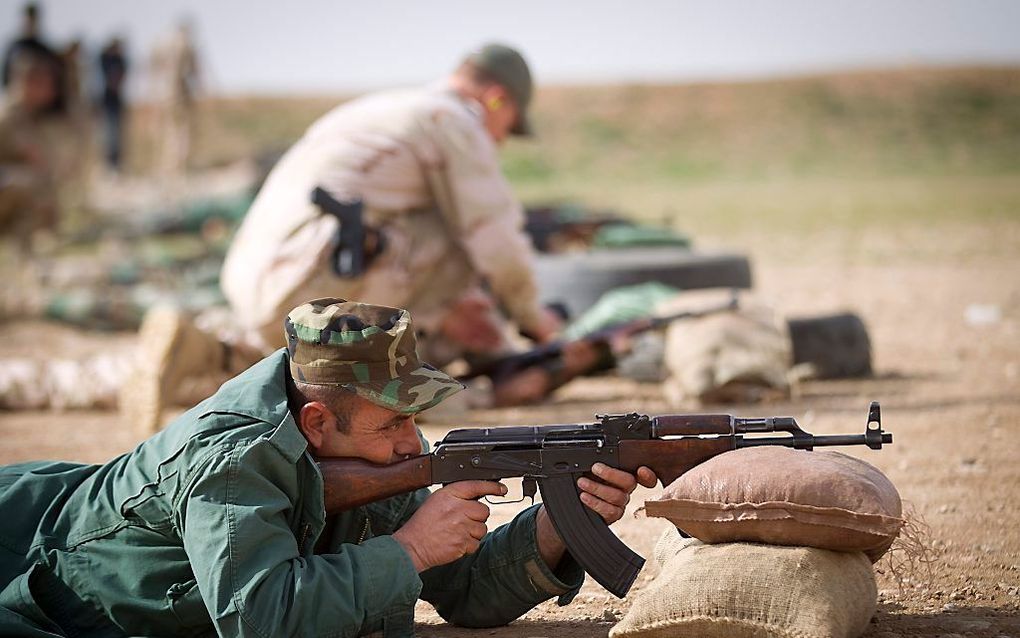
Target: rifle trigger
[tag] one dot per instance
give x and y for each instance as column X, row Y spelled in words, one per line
column 529, row 487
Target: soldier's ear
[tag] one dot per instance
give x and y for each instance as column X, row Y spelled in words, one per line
column 494, row 97
column 313, row 420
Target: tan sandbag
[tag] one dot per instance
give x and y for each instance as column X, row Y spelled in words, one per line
column 741, row 356
column 740, row 590
column 781, row 496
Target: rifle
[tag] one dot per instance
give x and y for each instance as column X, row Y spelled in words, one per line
column 551, row 458
column 502, row 367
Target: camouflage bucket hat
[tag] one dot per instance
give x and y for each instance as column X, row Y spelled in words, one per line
column 367, row 349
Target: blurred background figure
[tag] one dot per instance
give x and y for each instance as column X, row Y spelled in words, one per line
column 75, row 77
column 77, row 150
column 32, row 125
column 424, row 164
column 29, row 40
column 175, row 76
column 113, row 66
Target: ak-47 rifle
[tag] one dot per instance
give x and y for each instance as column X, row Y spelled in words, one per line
column 503, row 367
column 551, row 458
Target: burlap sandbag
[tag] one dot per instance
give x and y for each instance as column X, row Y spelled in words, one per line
column 780, row 496
column 737, row 356
column 741, row 590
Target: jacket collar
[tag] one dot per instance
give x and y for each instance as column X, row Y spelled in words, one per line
column 260, row 393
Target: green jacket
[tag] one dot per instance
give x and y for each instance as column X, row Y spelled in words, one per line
column 209, row 527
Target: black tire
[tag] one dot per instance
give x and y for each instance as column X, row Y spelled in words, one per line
column 837, row 345
column 577, row 280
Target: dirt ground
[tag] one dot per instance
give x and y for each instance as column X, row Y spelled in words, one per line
column 950, row 394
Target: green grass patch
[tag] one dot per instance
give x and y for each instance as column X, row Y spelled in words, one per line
column 859, row 152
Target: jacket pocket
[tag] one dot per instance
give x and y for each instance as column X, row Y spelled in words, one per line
column 187, row 605
column 18, row 602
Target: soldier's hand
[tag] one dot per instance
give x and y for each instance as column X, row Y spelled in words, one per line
column 548, row 327
column 609, row 495
column 449, row 525
column 471, row 323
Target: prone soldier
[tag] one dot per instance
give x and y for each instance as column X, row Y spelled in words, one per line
column 217, row 523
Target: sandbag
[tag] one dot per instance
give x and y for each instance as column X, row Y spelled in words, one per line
column 781, row 496
column 738, row 356
column 742, row 590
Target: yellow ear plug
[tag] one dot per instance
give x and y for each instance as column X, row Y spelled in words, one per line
column 494, row 104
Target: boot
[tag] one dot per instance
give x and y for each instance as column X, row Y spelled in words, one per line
column 171, row 349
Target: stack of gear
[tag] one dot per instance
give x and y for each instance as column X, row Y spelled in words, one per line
column 772, row 556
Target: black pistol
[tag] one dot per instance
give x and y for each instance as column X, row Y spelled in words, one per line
column 348, row 259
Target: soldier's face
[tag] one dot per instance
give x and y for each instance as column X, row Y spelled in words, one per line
column 374, row 434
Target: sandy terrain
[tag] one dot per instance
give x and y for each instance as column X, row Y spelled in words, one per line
column 950, row 393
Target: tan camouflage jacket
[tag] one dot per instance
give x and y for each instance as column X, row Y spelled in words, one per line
column 394, row 150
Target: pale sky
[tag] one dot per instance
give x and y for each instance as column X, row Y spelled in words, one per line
column 338, row 46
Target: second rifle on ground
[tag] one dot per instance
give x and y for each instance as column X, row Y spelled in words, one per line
column 503, row 367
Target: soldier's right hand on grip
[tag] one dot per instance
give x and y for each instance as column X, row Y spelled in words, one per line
column 449, row 524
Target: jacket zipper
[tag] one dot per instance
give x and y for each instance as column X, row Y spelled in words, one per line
column 306, row 530
column 364, row 532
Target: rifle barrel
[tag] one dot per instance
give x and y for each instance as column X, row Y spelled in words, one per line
column 812, row 441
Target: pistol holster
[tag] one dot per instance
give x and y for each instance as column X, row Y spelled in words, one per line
column 357, row 244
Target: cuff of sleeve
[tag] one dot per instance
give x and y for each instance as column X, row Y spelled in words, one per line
column 565, row 581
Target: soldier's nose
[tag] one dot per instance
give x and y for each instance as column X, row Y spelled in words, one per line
column 408, row 444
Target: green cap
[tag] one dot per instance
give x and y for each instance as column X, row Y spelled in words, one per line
column 367, row 349
column 507, row 67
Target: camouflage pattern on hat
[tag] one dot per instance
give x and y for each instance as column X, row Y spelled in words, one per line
column 368, row 349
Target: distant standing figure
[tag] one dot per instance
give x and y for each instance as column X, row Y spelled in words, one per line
column 31, row 133
column 75, row 151
column 30, row 42
column 75, row 78
column 175, row 71
column 113, row 65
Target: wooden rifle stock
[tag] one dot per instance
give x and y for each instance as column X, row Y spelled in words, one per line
column 351, row 482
